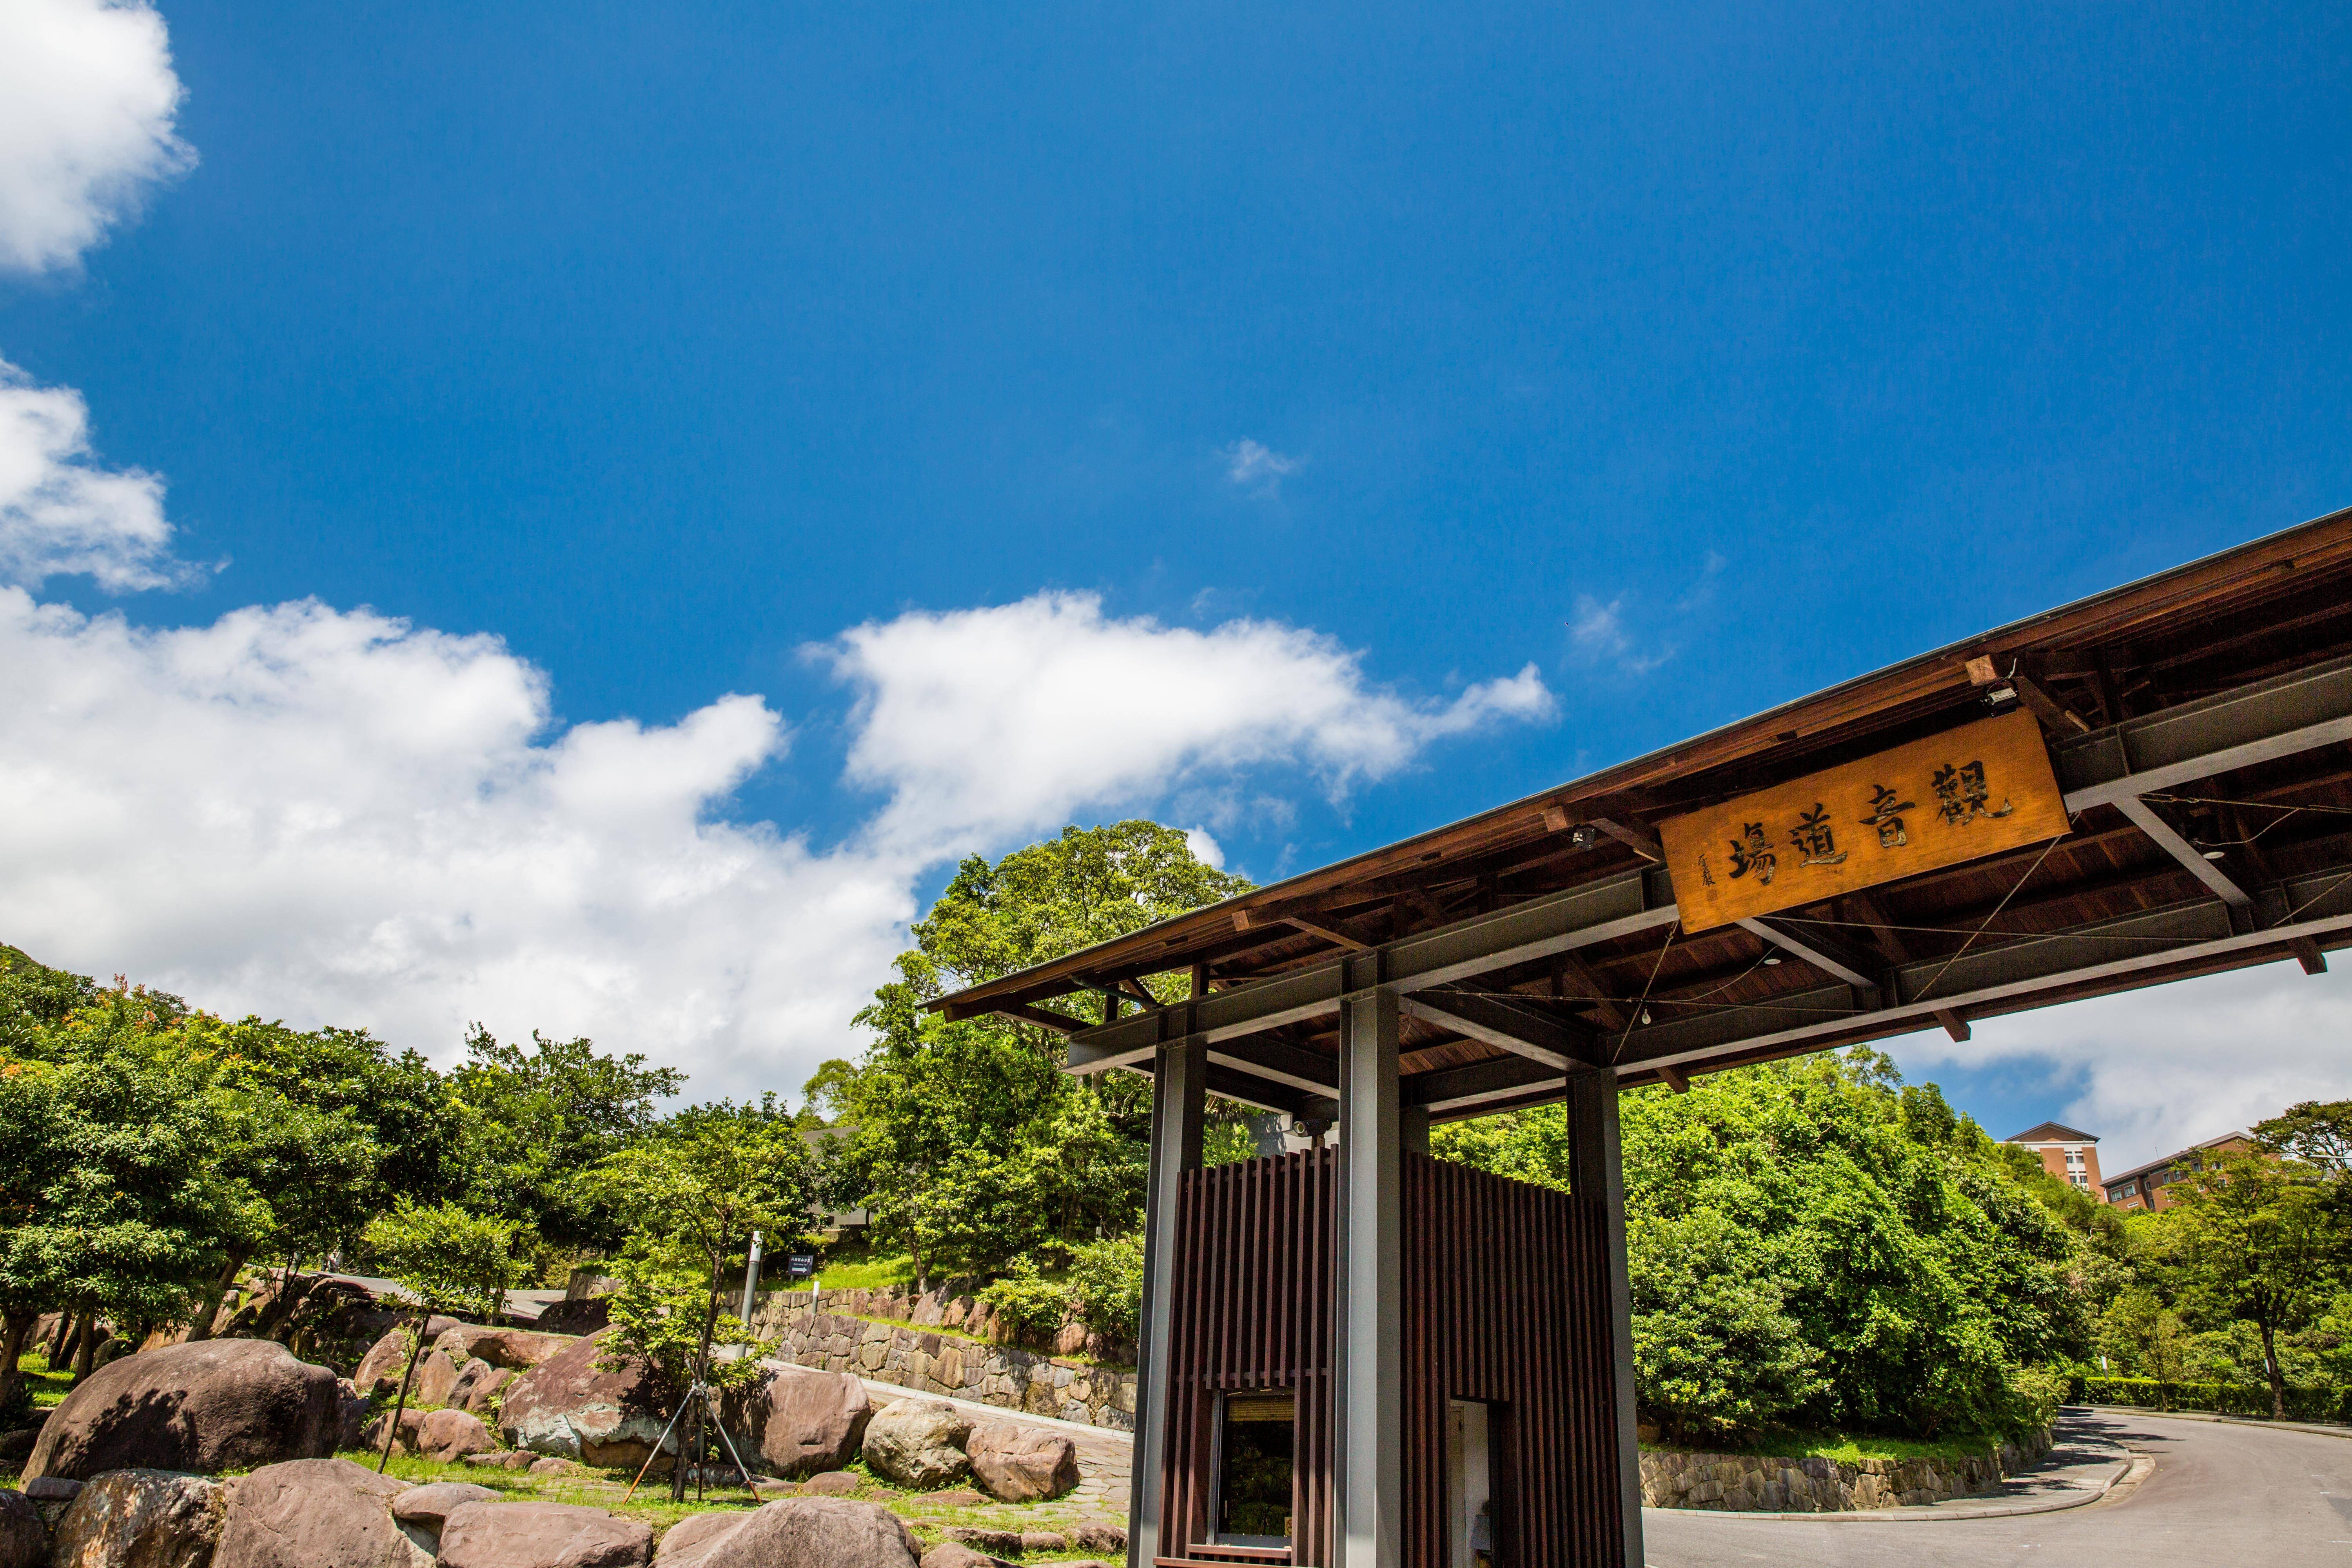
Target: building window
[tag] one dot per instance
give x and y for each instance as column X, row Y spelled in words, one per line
column 2130, row 1189
column 1256, row 1435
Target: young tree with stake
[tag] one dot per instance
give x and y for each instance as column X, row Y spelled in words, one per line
column 444, row 1260
column 699, row 1184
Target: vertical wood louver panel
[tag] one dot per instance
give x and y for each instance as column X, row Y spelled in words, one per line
column 1504, row 1302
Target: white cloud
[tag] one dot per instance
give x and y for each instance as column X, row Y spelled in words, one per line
column 1597, row 632
column 62, row 514
column 992, row 723
column 86, row 101
column 335, row 816
column 2153, row 1071
column 1260, row 469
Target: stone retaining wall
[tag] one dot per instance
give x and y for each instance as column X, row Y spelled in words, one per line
column 932, row 1362
column 1751, row 1483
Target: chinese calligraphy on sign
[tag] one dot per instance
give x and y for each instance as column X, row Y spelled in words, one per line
column 1988, row 788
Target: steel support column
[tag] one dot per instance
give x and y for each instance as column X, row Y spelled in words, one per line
column 1597, row 1175
column 1179, row 1086
column 1368, row 1350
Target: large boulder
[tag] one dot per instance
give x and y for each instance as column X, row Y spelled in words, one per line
column 24, row 1539
column 351, row 1414
column 318, row 1513
column 517, row 1350
column 448, row 1435
column 571, row 1407
column 584, row 1316
column 805, row 1422
column 429, row 1507
column 956, row 1554
column 218, row 1405
column 541, row 1535
column 141, row 1518
column 380, row 1369
column 437, row 1374
column 797, row 1532
column 1096, row 1536
column 919, row 1443
column 1015, row 1463
column 477, row 1386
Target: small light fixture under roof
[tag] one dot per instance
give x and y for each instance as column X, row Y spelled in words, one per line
column 1771, row 959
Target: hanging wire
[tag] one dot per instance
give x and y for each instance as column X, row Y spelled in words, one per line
column 1940, row 974
column 2248, row 804
column 1634, row 1016
column 2315, row 898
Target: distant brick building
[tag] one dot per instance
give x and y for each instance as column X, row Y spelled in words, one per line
column 2143, row 1186
column 2071, row 1155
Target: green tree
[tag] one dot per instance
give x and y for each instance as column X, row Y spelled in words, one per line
column 1715, row 1351
column 2254, row 1239
column 699, row 1184
column 128, row 1203
column 535, row 1118
column 2139, row 1334
column 970, row 1146
column 443, row 1259
column 1890, row 1228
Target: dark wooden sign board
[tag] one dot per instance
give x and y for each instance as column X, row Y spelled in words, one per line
column 1974, row 791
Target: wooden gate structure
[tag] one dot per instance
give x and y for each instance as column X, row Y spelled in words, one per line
column 2148, row 785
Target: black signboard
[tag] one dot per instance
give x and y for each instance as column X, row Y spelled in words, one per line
column 800, row 1265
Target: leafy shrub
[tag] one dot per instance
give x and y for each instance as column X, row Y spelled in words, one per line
column 1027, row 1305
column 658, row 1313
column 1107, row 1285
column 2036, row 1393
column 2319, row 1404
column 1714, row 1352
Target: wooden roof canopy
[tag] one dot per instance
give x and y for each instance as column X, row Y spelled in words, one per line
column 2199, row 724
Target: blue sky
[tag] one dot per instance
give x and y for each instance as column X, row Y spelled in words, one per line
column 1695, row 360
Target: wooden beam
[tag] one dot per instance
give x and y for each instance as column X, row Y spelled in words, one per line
column 1570, row 967
column 2055, row 716
column 1676, row 1079
column 1044, row 1018
column 1143, row 992
column 1555, row 819
column 2307, row 953
column 1328, row 931
column 1882, row 930
column 1633, row 836
column 1954, row 1025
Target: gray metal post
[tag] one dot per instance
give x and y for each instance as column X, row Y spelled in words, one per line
column 1367, row 1373
column 1598, row 1176
column 1179, row 1084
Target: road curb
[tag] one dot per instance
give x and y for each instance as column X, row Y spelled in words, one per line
column 2115, row 1472
column 2317, row 1428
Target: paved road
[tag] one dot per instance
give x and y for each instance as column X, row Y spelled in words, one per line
column 2220, row 1495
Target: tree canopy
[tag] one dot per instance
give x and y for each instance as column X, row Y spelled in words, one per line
column 1814, row 1244
column 965, row 1140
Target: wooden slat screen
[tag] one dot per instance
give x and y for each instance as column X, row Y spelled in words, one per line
column 1504, row 1301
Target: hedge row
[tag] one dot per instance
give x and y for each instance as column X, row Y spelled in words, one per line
column 2322, row 1404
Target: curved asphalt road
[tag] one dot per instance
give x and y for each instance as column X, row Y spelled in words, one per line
column 2221, row 1495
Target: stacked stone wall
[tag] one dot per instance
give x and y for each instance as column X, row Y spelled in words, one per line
column 844, row 1338
column 1752, row 1483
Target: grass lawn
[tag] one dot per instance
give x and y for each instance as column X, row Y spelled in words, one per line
column 49, row 1387
column 606, row 1489
column 863, row 1268
column 1845, row 1448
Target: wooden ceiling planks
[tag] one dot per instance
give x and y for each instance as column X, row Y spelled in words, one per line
column 2277, row 604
